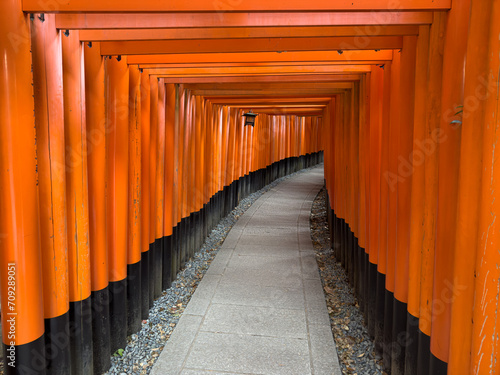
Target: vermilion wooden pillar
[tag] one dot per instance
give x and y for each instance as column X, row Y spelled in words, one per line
column 153, row 146
column 117, row 159
column 134, row 265
column 20, row 236
column 96, row 159
column 145, row 192
column 49, row 122
column 77, row 205
column 169, row 264
column 478, row 181
column 460, row 337
column 448, row 144
column 390, row 178
column 384, row 207
column 429, row 145
column 176, row 182
column 160, row 187
column 405, row 147
column 486, row 346
column 376, row 108
column 417, row 204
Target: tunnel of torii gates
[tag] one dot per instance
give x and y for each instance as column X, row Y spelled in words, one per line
column 122, row 144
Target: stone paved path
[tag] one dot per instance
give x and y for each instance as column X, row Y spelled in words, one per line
column 260, row 308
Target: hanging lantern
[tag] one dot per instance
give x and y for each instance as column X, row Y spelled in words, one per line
column 250, row 118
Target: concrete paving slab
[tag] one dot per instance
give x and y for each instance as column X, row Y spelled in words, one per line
column 174, row 354
column 260, row 308
column 267, row 251
column 287, row 278
column 322, row 347
column 218, row 265
column 259, row 321
column 284, row 263
column 270, row 230
column 272, row 240
column 309, row 265
column 318, row 316
column 275, row 221
column 202, row 297
column 246, row 353
column 259, row 295
column 230, row 242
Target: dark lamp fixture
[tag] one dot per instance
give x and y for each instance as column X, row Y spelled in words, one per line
column 250, row 118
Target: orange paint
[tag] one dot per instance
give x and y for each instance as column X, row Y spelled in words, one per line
column 418, row 177
column 49, row 122
column 145, row 144
column 19, row 209
column 76, row 168
column 160, row 159
column 405, row 147
column 96, row 158
column 117, row 144
column 230, row 19
column 134, row 167
column 83, row 6
column 169, row 158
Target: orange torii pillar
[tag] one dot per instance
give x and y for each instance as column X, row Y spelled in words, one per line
column 207, row 167
column 229, row 185
column 380, row 328
column 390, row 178
column 20, row 261
column 199, row 174
column 347, row 248
column 329, row 167
column 351, row 154
column 153, row 143
column 145, row 193
column 335, row 176
column 117, row 82
column 376, row 112
column 176, row 262
column 224, row 161
column 487, row 283
column 448, row 166
column 341, row 182
column 49, row 122
column 247, row 147
column 405, row 147
column 478, row 183
column 160, row 187
column 218, row 131
column 178, row 178
column 134, row 278
column 184, row 180
column 241, row 160
column 364, row 159
column 191, row 170
column 454, row 59
column 96, row 159
column 169, row 265
column 210, row 156
column 418, row 193
column 423, row 234
column 77, row 205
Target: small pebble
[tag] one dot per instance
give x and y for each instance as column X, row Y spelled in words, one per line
column 355, row 348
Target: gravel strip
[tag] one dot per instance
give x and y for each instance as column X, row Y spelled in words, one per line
column 355, row 348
